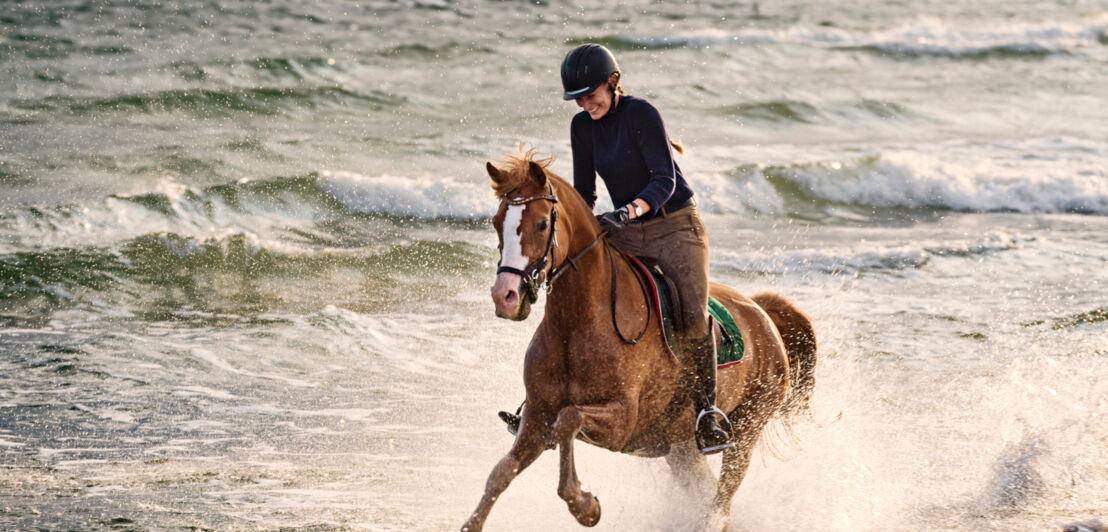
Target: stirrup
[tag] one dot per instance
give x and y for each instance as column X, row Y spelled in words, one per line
column 714, row 448
column 512, row 420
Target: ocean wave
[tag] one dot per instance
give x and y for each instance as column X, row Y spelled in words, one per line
column 449, row 50
column 1015, row 179
column 793, row 111
column 66, row 273
column 391, row 340
column 832, row 261
column 39, row 46
column 328, row 209
column 296, row 210
column 863, row 257
column 432, row 198
column 927, row 36
column 239, row 272
column 263, row 207
column 271, row 68
column 1092, row 317
column 217, row 102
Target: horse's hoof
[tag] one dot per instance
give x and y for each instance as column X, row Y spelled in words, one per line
column 717, row 521
column 471, row 527
column 591, row 516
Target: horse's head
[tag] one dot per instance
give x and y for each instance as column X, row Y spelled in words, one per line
column 525, row 225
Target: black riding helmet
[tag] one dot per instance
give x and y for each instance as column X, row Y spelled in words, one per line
column 585, row 68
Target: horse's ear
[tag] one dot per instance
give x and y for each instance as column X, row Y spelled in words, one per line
column 494, row 172
column 537, row 173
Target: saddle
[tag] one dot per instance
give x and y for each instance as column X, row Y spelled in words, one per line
column 667, row 306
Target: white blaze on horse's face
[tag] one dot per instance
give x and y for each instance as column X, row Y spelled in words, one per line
column 505, row 292
column 512, row 255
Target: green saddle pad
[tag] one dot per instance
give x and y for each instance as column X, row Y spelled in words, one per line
column 731, row 348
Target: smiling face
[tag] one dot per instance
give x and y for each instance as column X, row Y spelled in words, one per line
column 598, row 102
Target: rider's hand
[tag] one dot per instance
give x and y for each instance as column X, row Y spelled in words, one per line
column 614, row 220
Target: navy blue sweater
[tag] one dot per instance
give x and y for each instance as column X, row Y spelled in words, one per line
column 630, row 150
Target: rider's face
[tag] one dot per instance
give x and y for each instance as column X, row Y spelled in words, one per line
column 598, row 102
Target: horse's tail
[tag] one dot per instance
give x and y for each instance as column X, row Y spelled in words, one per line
column 800, row 345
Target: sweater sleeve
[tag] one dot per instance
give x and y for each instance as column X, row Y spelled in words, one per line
column 584, row 170
column 650, row 134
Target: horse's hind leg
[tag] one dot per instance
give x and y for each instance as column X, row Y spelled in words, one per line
column 530, row 443
column 735, row 462
column 614, row 420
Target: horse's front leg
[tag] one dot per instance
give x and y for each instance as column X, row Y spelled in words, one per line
column 611, row 424
column 690, row 469
column 530, row 443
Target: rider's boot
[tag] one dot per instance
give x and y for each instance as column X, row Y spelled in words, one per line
column 710, row 436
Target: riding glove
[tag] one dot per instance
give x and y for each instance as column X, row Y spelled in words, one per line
column 614, row 220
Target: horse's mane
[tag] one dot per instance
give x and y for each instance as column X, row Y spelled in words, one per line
column 515, row 169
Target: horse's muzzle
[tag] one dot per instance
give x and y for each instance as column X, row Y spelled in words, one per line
column 512, row 299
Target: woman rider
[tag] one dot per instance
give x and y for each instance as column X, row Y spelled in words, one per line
column 622, row 138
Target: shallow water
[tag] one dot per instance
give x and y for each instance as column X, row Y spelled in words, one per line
column 246, row 253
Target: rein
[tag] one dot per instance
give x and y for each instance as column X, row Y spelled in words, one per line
column 557, row 271
column 645, row 296
column 530, row 274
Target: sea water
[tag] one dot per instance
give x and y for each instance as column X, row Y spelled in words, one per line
column 246, row 256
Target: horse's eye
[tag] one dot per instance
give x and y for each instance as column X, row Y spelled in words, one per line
column 543, row 225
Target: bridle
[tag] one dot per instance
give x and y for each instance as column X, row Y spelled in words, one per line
column 530, row 274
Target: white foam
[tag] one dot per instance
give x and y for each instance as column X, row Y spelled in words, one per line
column 390, row 339
column 861, row 256
column 1020, row 178
column 926, row 35
column 106, row 413
column 826, row 260
column 404, row 196
column 207, row 392
column 934, row 36
column 220, row 363
column 721, row 194
column 118, row 218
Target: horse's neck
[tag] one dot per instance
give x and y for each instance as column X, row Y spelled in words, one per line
column 581, row 289
column 584, row 288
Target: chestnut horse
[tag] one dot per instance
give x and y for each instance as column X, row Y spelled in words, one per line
column 587, row 380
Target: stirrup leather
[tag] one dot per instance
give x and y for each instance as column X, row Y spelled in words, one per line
column 730, row 434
